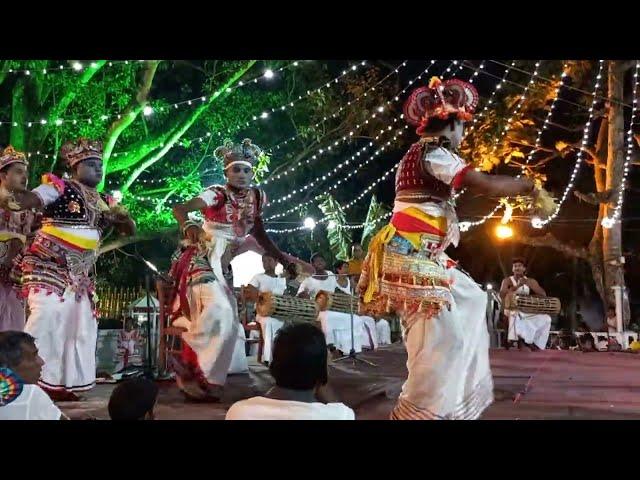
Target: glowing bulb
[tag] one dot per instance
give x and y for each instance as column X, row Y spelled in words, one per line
column 77, row 66
column 607, row 222
column 464, row 226
column 536, row 222
column 264, row 115
column 489, row 286
column 59, row 122
column 268, row 73
column 504, row 231
column 309, row 223
column 147, row 110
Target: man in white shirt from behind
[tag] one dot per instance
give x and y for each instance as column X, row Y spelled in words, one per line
column 18, row 353
column 268, row 282
column 299, row 368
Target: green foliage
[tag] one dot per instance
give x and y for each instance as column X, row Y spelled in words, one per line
column 338, row 236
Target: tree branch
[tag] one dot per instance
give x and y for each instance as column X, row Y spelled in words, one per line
column 57, row 110
column 595, row 198
column 123, row 241
column 548, row 240
column 129, row 115
column 186, row 124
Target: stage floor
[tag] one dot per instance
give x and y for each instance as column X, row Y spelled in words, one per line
column 545, row 385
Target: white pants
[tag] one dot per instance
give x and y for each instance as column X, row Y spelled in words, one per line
column 448, row 358
column 383, row 329
column 337, row 330
column 11, row 309
column 530, row 327
column 215, row 333
column 270, row 327
column 66, row 333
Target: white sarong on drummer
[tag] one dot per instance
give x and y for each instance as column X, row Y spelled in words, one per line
column 532, row 328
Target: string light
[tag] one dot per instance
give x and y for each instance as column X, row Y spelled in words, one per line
column 309, row 223
column 343, row 107
column 342, row 139
column 75, row 67
column 291, row 169
column 498, row 86
column 338, row 182
column 610, row 220
column 467, row 225
column 515, row 111
column 337, row 168
column 347, row 206
column 189, row 102
column 585, row 138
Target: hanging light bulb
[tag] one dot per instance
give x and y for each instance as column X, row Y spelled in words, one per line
column 309, row 223
column 147, row 110
column 268, row 73
column 504, row 231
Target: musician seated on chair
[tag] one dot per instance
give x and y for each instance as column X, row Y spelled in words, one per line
column 376, row 331
column 267, row 282
column 528, row 329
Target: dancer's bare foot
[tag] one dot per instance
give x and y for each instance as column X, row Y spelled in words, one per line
column 190, row 389
column 523, row 346
column 213, row 393
column 62, row 395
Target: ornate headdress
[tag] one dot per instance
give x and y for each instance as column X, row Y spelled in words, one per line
column 10, row 155
column 244, row 153
column 440, row 100
column 82, row 149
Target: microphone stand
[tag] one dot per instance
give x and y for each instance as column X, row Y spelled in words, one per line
column 152, row 271
column 352, row 354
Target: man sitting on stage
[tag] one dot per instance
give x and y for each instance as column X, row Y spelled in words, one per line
column 268, row 282
column 530, row 329
column 335, row 325
column 299, row 368
column 374, row 332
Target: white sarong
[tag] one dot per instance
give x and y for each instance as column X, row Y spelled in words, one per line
column 66, row 333
column 448, row 358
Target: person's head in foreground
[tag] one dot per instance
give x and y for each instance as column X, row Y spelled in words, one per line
column 20, row 369
column 18, row 352
column 133, row 399
column 299, row 369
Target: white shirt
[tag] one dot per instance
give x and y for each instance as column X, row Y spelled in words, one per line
column 262, row 408
column 266, row 283
column 314, row 285
column 31, row 404
column 346, row 289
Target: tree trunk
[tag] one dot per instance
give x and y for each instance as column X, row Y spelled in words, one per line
column 595, row 246
column 612, row 237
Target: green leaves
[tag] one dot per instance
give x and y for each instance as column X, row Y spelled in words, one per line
column 338, row 236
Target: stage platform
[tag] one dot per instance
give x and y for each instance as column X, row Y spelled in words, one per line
column 544, row 385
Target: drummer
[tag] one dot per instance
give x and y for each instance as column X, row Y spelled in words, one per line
column 528, row 329
column 374, row 332
column 272, row 283
column 335, row 325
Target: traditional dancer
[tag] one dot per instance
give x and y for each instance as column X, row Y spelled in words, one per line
column 214, row 342
column 441, row 309
column 530, row 329
column 15, row 228
column 54, row 271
